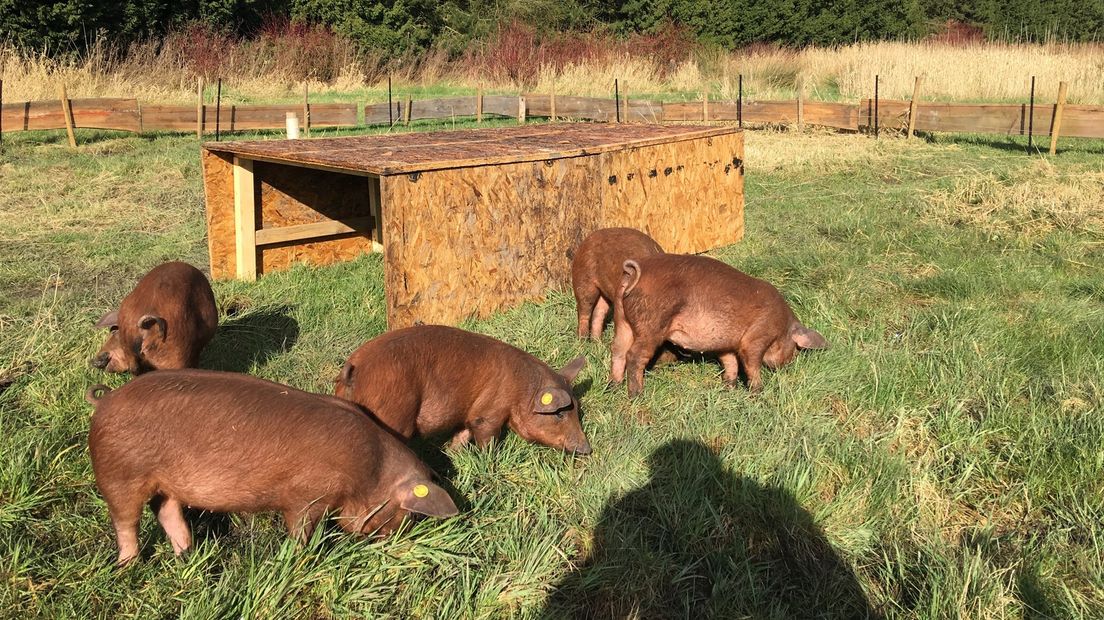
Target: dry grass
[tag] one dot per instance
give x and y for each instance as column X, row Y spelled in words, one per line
column 1031, row 200
column 268, row 70
column 810, row 152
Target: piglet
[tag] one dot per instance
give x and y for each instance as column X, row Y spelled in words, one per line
column 596, row 273
column 163, row 323
column 432, row 379
column 702, row 304
column 227, row 442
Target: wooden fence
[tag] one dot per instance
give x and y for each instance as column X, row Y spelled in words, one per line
column 132, row 115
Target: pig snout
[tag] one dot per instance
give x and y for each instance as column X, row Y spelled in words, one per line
column 579, row 445
column 101, row 360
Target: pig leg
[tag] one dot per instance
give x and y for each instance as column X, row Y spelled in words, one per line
column 639, row 354
column 125, row 519
column 125, row 500
column 598, row 319
column 751, row 356
column 484, row 434
column 461, row 439
column 170, row 514
column 731, row 368
column 301, row 523
column 622, row 342
column 585, row 299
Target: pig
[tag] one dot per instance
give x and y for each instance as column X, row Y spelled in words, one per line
column 164, row 323
column 596, row 273
column 704, row 305
column 432, row 379
column 227, row 442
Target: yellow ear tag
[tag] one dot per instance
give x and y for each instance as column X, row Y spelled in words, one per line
column 546, row 398
column 421, row 490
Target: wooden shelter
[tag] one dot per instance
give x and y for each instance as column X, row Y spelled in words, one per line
column 469, row 221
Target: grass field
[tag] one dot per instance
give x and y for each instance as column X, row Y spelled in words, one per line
column 943, row 459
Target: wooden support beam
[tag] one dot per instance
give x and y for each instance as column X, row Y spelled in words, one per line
column 67, row 112
column 245, row 222
column 314, row 230
column 374, row 208
column 199, row 108
column 1056, row 120
column 912, row 106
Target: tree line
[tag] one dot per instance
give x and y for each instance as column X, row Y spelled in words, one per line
column 405, row 26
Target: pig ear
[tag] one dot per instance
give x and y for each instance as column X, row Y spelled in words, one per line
column 153, row 325
column 345, row 377
column 551, row 400
column 111, row 319
column 807, row 338
column 426, row 498
column 572, row 369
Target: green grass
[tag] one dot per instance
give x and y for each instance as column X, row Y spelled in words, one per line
column 944, row 458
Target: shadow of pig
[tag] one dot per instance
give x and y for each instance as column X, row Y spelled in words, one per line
column 250, row 338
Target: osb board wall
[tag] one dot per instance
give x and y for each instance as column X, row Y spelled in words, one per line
column 689, row 195
column 471, row 241
column 218, row 189
column 285, row 196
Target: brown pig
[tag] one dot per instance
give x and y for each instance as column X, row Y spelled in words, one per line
column 163, row 323
column 227, row 442
column 432, row 379
column 596, row 273
column 701, row 304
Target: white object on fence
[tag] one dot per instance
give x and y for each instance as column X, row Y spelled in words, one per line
column 292, row 126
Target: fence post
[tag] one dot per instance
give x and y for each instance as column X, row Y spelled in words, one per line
column 306, row 109
column 406, row 110
column 479, row 104
column 1031, row 118
column 617, row 100
column 552, row 104
column 390, row 106
column 292, row 123
column 2, row 116
column 801, row 104
column 912, row 106
column 218, row 109
column 67, row 112
column 199, row 107
column 875, row 106
column 705, row 106
column 521, row 109
column 740, row 102
column 1056, row 120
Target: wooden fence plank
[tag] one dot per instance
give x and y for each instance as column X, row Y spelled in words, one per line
column 442, row 108
column 1085, row 121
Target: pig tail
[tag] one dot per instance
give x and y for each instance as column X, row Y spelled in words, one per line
column 95, row 393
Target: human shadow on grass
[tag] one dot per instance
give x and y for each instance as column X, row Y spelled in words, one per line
column 246, row 339
column 699, row 542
